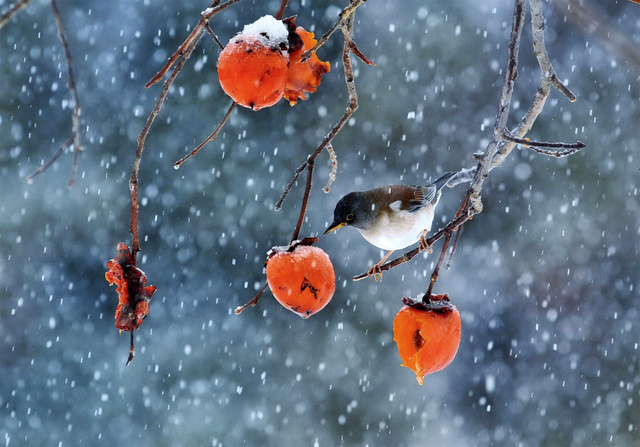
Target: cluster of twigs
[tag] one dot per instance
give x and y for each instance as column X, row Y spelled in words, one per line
column 178, row 59
column 503, row 140
column 74, row 139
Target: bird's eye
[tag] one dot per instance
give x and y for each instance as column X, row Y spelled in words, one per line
column 350, row 217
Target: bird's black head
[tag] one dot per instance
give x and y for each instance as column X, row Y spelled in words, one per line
column 355, row 209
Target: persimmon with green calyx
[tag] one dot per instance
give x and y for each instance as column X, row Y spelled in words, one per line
column 301, row 277
column 427, row 334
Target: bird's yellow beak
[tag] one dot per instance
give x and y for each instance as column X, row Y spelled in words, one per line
column 334, row 226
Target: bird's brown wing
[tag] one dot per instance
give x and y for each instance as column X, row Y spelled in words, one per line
column 422, row 195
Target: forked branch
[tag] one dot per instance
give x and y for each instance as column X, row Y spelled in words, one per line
column 503, row 140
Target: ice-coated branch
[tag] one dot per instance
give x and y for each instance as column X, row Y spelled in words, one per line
column 503, row 140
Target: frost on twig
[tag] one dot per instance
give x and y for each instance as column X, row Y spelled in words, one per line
column 334, row 168
column 503, row 140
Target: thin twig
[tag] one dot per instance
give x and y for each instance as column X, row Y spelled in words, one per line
column 542, row 147
column 190, row 42
column 50, row 161
column 305, row 199
column 346, row 25
column 253, row 302
column 132, row 350
column 436, row 270
column 548, row 79
column 209, row 139
column 344, row 15
column 133, row 181
column 75, row 117
column 213, row 35
column 11, row 11
column 74, row 140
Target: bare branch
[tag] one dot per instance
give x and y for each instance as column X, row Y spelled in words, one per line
column 346, row 25
column 539, row 146
column 190, row 42
column 74, row 140
column 503, row 140
column 50, row 161
column 209, row 139
column 133, row 181
column 12, row 11
column 75, row 118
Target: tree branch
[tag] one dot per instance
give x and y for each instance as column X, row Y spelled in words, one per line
column 503, row 141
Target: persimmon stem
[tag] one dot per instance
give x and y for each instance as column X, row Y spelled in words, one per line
column 436, row 270
column 281, row 9
column 131, row 350
column 305, row 199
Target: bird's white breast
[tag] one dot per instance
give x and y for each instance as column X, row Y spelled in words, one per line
column 399, row 228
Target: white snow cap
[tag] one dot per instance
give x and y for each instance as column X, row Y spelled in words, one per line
column 268, row 27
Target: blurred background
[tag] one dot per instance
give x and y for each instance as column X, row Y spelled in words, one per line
column 546, row 278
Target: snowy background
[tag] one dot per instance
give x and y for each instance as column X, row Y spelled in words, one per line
column 546, row 278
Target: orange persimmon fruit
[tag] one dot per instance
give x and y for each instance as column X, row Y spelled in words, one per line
column 301, row 278
column 252, row 68
column 263, row 63
column 427, row 334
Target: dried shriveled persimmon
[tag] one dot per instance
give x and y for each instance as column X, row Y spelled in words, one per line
column 252, row 68
column 304, row 77
column 301, row 278
column 133, row 296
column 427, row 334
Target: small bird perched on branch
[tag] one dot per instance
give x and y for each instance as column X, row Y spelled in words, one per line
column 391, row 217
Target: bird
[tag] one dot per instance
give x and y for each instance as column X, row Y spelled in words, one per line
column 391, row 217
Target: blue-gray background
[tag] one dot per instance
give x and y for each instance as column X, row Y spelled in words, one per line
column 546, row 278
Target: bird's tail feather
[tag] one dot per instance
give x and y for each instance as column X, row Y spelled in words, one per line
column 441, row 181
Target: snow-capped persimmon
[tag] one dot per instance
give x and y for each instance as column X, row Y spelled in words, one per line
column 305, row 76
column 301, row 278
column 252, row 68
column 427, row 334
column 263, row 63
